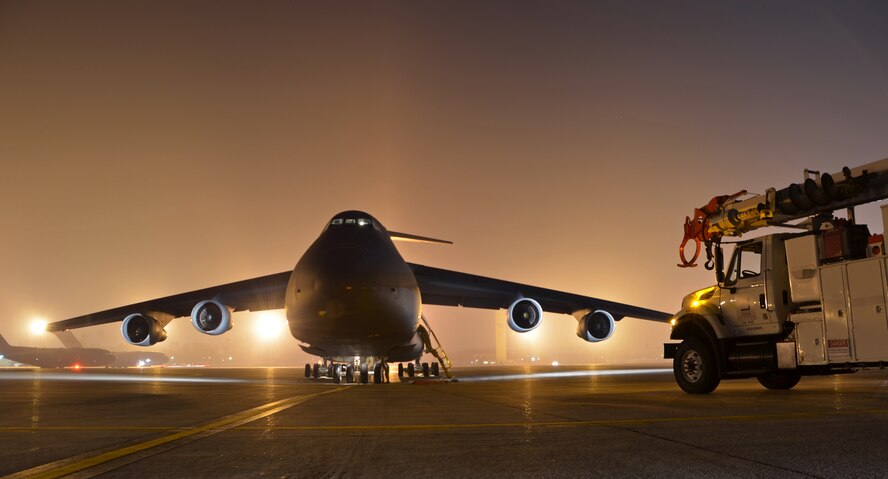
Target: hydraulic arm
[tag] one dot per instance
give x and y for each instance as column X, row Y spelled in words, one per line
column 818, row 195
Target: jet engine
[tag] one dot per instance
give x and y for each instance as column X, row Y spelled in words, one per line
column 142, row 330
column 525, row 315
column 596, row 326
column 211, row 317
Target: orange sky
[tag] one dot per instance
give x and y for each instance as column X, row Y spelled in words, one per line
column 158, row 147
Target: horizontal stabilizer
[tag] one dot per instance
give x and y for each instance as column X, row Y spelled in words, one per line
column 414, row 238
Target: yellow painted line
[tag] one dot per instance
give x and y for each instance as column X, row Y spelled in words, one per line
column 65, row 467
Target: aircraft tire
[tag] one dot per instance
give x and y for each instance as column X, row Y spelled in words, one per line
column 336, row 377
column 436, row 371
column 365, row 373
column 425, row 370
column 307, row 371
column 400, row 370
column 411, row 370
column 377, row 374
column 350, row 374
column 316, row 371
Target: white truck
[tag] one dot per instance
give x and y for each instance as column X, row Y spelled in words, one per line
column 789, row 304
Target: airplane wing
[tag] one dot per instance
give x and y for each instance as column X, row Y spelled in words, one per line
column 257, row 294
column 452, row 288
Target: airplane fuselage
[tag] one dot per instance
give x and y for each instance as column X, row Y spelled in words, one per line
column 352, row 294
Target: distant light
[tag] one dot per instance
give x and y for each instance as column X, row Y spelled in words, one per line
column 554, row 363
column 148, row 360
column 141, row 364
column 38, row 326
column 1, row 356
column 269, row 325
column 230, row 358
column 76, row 366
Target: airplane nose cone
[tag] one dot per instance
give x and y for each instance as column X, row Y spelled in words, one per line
column 346, row 266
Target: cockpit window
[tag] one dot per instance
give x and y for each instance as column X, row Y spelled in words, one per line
column 353, row 221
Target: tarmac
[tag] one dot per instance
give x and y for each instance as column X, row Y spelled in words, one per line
column 494, row 422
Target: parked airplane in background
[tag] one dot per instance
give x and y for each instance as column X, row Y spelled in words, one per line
column 76, row 356
column 356, row 303
column 122, row 359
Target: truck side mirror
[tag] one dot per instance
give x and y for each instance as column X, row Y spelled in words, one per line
column 719, row 265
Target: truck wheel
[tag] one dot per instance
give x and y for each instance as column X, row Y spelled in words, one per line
column 695, row 368
column 779, row 380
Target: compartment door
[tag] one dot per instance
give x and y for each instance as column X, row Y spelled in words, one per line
column 835, row 310
column 869, row 328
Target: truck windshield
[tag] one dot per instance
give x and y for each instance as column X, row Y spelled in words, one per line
column 746, row 263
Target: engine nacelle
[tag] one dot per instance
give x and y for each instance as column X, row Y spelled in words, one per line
column 211, row 317
column 596, row 326
column 141, row 330
column 525, row 315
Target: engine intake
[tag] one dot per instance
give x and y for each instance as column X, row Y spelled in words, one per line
column 525, row 315
column 596, row 326
column 142, row 330
column 211, row 317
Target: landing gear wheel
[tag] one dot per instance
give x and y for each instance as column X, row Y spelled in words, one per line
column 400, row 370
column 695, row 368
column 779, row 380
column 425, row 370
column 307, row 371
column 386, row 369
column 377, row 374
column 336, row 377
column 436, row 371
column 411, row 370
column 316, row 371
column 350, row 374
column 365, row 374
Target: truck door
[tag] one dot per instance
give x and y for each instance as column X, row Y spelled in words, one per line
column 744, row 305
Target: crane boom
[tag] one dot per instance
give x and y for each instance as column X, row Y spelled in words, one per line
column 818, row 195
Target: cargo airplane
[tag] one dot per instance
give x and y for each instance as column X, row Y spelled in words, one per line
column 353, row 301
column 75, row 356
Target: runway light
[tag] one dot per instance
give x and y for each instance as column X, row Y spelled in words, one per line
column 554, row 363
column 76, row 366
column 38, row 326
column 269, row 325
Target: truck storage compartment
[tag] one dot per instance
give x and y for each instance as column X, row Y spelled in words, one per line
column 809, row 338
column 801, row 262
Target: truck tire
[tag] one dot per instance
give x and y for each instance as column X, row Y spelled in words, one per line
column 696, row 371
column 779, row 380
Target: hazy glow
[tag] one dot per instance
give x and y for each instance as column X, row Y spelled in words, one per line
column 565, row 374
column 269, row 325
column 38, row 326
column 30, row 376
